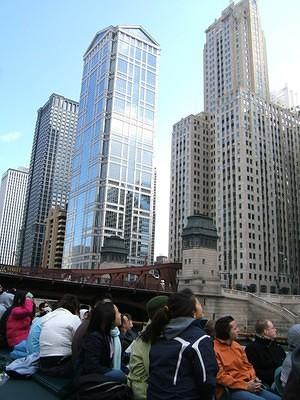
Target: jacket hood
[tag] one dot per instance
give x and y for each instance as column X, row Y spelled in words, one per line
column 176, row 326
column 296, row 362
column 294, row 337
column 6, row 299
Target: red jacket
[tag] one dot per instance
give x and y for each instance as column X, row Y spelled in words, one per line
column 18, row 323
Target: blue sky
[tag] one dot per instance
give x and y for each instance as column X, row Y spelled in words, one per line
column 42, row 44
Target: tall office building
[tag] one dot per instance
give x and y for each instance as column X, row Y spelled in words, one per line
column 255, row 156
column 12, row 200
column 112, row 171
column 191, row 163
column 235, row 55
column 49, row 174
column 256, row 145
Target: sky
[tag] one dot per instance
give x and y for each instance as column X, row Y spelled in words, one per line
column 42, row 44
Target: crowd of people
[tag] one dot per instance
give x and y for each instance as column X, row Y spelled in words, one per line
column 176, row 355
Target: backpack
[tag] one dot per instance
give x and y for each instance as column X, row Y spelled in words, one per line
column 95, row 387
column 23, row 367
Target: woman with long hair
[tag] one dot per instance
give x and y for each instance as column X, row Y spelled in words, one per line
column 101, row 348
column 19, row 318
column 182, row 360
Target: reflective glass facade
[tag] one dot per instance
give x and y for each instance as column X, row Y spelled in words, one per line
column 112, row 168
column 49, row 174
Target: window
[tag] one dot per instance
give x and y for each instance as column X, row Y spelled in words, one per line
column 122, row 66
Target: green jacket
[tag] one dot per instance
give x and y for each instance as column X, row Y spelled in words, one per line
column 139, row 369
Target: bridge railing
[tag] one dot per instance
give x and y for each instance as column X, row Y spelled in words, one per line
column 103, row 277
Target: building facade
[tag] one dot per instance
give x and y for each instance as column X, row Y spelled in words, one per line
column 256, row 145
column 53, row 244
column 191, row 169
column 235, row 55
column 254, row 162
column 112, row 170
column 257, row 194
column 49, row 174
column 12, row 201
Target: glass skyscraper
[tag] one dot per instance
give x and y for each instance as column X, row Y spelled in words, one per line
column 112, row 168
column 12, row 200
column 49, row 174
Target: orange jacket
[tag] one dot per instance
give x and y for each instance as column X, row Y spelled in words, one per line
column 234, row 368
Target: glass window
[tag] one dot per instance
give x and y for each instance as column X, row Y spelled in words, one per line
column 144, row 225
column 114, row 171
column 151, row 60
column 145, row 202
column 150, row 78
column 149, row 116
column 143, row 249
column 101, row 86
column 121, row 85
column 116, row 125
column 146, row 179
column 93, row 172
column 123, row 48
column 150, row 97
column 147, row 157
column 91, row 97
column 137, row 74
column 138, row 53
column 119, row 105
column 122, row 66
column 112, row 195
column 116, row 148
column 136, row 200
column 99, row 106
column 111, row 219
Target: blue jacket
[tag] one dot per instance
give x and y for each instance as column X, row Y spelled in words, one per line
column 182, row 363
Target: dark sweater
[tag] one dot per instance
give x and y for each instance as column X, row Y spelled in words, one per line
column 95, row 355
column 265, row 355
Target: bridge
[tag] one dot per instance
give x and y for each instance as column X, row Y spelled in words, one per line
column 130, row 287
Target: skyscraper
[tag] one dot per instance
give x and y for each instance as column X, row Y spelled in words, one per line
column 256, row 176
column 112, row 170
column 191, row 163
column 235, row 55
column 49, row 174
column 254, row 181
column 12, row 200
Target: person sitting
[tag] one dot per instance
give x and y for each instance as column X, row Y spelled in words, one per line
column 264, row 353
column 235, row 371
column 127, row 335
column 32, row 343
column 57, row 331
column 82, row 329
column 182, row 361
column 101, row 348
column 139, row 353
column 44, row 308
column 6, row 300
column 292, row 387
column 19, row 319
column 84, row 312
column 293, row 339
